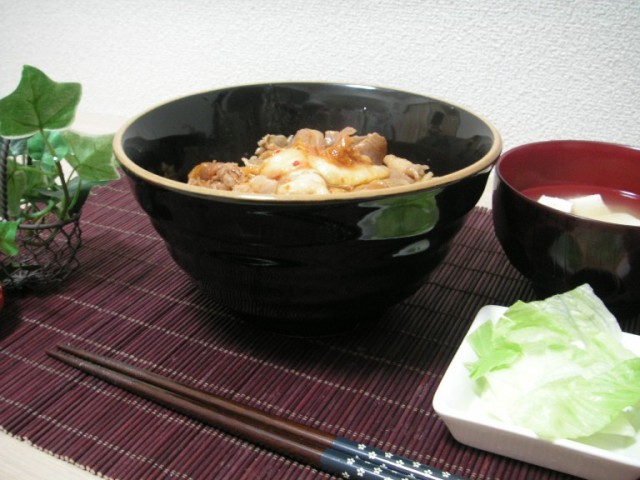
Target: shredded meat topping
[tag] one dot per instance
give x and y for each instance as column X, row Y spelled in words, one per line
column 311, row 162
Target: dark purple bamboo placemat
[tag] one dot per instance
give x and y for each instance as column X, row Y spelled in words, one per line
column 129, row 301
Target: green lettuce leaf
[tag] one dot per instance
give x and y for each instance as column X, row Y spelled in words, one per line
column 579, row 407
column 557, row 367
column 493, row 352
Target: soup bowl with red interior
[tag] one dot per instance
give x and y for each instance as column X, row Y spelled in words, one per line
column 306, row 263
column 568, row 212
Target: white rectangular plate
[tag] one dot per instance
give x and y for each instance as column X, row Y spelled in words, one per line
column 458, row 405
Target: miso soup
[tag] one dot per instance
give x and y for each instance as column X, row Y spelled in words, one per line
column 598, row 203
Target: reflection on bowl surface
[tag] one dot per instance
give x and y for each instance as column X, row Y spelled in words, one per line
column 306, row 264
column 558, row 251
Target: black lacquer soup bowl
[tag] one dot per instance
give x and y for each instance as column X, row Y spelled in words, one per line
column 558, row 250
column 307, row 264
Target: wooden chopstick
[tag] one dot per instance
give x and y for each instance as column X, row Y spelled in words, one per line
column 327, row 452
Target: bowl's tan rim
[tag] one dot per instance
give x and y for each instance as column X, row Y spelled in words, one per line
column 479, row 166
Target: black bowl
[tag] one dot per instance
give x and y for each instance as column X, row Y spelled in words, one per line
column 555, row 250
column 307, row 264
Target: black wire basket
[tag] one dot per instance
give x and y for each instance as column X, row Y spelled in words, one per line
column 48, row 249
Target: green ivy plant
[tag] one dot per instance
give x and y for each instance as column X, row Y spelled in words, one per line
column 50, row 169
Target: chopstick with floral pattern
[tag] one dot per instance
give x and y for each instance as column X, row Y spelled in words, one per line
column 336, row 455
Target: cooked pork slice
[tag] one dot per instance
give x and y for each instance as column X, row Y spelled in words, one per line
column 216, row 175
column 372, row 145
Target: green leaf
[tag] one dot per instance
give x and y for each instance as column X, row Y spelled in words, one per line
column 577, row 407
column 493, row 351
column 16, row 186
column 38, row 103
column 80, row 190
column 18, row 147
column 91, row 157
column 25, row 184
column 8, row 238
column 39, row 148
column 572, row 376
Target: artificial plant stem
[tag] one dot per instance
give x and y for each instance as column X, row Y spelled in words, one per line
column 40, row 213
column 63, row 181
column 4, row 153
column 76, row 195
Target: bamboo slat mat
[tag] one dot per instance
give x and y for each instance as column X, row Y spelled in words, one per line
column 129, row 301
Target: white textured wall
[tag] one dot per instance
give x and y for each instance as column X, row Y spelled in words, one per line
column 538, row 70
